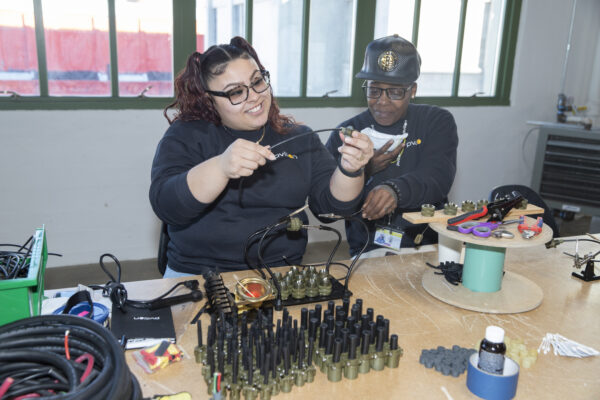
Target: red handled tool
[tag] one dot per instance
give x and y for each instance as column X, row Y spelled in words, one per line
column 497, row 210
column 529, row 231
column 482, row 212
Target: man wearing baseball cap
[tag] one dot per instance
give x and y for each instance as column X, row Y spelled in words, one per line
column 415, row 158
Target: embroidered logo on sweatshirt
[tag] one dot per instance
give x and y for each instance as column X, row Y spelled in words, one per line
column 285, row 154
column 413, row 142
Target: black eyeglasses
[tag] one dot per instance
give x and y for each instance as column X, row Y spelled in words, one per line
column 393, row 93
column 239, row 94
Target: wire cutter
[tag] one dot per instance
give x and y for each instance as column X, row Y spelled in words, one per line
column 497, row 210
column 529, row 231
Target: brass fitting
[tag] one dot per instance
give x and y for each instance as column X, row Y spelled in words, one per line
column 522, row 205
column 467, row 206
column 450, row 209
column 427, row 210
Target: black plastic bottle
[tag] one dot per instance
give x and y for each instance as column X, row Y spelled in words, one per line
column 492, row 350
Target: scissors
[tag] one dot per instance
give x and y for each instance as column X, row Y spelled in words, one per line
column 479, row 229
column 483, row 229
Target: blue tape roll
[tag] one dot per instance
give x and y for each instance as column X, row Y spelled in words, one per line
column 490, row 386
column 100, row 311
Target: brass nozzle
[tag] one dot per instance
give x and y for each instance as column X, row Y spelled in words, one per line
column 347, row 130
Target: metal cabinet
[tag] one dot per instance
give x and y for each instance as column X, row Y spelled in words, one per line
column 566, row 172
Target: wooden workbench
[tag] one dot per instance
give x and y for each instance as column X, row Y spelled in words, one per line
column 392, row 286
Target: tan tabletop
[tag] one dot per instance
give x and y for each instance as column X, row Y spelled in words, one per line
column 392, row 287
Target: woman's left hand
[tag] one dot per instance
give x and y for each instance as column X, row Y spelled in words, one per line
column 356, row 151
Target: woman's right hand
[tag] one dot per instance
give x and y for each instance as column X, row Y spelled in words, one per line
column 243, row 157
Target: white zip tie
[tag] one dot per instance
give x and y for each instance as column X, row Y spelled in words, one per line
column 565, row 347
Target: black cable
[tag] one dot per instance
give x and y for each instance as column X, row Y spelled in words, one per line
column 241, row 184
column 452, row 271
column 261, row 261
column 341, row 265
column 41, row 368
column 29, row 240
column 302, row 135
column 337, row 245
column 117, row 293
column 15, row 264
column 320, row 264
column 350, row 270
column 331, row 255
column 579, row 240
column 247, row 248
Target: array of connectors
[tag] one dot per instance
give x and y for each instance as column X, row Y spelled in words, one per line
column 259, row 358
column 428, row 210
column 307, row 282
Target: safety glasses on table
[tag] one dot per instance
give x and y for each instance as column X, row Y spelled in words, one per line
column 393, row 93
column 239, row 94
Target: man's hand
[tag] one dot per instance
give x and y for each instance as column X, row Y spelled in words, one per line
column 381, row 160
column 380, row 201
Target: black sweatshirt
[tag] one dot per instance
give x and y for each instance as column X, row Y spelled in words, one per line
column 206, row 236
column 424, row 175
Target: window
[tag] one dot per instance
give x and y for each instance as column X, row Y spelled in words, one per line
column 18, row 53
column 330, row 39
column 144, row 50
column 116, row 54
column 277, row 38
column 217, row 21
column 460, row 43
column 438, row 30
column 481, row 48
column 73, row 28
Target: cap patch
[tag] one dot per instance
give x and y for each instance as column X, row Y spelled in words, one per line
column 388, row 61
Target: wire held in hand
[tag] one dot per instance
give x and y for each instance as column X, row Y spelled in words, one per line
column 347, row 131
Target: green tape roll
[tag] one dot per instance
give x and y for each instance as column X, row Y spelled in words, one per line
column 483, row 268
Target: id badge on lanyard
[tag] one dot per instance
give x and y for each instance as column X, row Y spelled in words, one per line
column 388, row 236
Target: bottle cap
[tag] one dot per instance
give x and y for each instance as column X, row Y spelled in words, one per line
column 494, row 334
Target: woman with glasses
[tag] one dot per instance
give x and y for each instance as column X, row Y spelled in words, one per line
column 215, row 180
column 399, row 178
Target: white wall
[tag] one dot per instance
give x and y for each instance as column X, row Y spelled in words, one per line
column 85, row 174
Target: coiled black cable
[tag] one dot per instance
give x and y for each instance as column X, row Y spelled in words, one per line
column 117, row 292
column 40, row 357
column 15, row 264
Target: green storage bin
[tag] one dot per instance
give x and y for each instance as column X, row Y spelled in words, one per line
column 22, row 298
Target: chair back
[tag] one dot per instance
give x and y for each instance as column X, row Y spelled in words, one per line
column 163, row 243
column 532, row 198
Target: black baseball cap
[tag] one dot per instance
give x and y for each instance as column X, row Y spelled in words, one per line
column 391, row 59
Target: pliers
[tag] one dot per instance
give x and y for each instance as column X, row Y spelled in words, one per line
column 497, row 210
column 529, row 231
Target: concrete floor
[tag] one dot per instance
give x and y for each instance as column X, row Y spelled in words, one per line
column 56, row 278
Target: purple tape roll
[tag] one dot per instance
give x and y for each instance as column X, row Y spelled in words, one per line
column 490, row 386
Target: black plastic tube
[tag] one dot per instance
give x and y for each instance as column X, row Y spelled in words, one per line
column 110, row 379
